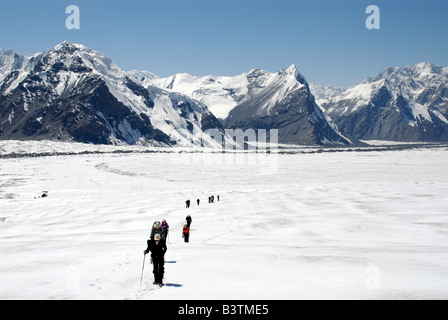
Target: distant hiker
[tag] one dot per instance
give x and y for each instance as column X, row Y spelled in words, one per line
column 218, row 197
column 165, row 228
column 186, row 233
column 209, row 199
column 157, row 229
column 198, row 201
column 213, row 198
column 157, row 247
column 189, row 220
column 187, row 203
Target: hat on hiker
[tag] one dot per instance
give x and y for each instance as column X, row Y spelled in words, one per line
column 157, row 237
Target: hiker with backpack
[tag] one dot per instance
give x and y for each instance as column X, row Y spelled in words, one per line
column 157, row 229
column 157, row 247
column 186, row 233
column 189, row 220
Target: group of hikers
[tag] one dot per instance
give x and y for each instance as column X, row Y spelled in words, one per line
column 158, row 240
column 157, row 246
column 211, row 199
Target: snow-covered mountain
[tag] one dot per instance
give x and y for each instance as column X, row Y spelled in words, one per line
column 12, row 61
column 9, row 60
column 400, row 104
column 320, row 91
column 259, row 100
column 220, row 93
column 74, row 93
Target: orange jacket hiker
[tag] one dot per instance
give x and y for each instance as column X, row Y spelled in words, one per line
column 186, row 233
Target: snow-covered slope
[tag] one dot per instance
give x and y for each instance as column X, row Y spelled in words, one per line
column 259, row 100
column 72, row 92
column 325, row 226
column 220, row 93
column 141, row 76
column 320, row 91
column 9, row 61
column 402, row 103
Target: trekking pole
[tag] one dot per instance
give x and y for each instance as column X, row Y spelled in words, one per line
column 143, row 267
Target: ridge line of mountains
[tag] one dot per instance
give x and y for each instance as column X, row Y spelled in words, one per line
column 74, row 93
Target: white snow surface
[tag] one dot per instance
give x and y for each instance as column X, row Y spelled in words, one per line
column 349, row 225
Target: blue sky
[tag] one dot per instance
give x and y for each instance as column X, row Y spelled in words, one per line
column 326, row 39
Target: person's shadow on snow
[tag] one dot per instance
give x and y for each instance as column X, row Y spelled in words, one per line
column 174, row 285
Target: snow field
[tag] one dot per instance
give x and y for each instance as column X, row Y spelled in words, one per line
column 369, row 225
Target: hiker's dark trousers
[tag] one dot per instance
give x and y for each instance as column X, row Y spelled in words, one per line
column 159, row 268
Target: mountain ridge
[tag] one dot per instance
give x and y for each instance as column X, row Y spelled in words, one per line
column 407, row 103
column 71, row 92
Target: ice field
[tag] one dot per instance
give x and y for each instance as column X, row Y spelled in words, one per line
column 347, row 225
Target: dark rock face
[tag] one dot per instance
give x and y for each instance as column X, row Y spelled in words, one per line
column 387, row 118
column 209, row 121
column 87, row 112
